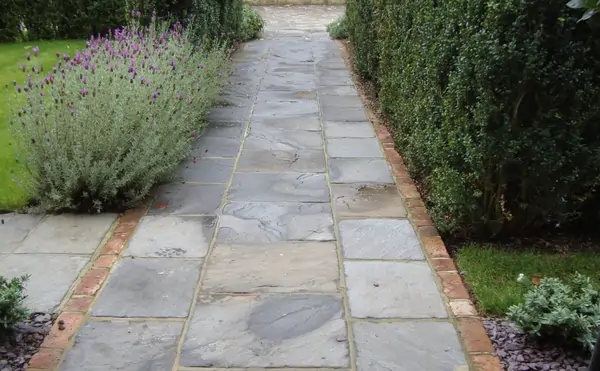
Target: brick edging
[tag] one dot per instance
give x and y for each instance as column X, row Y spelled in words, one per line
column 74, row 313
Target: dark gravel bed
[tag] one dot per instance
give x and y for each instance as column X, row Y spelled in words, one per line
column 17, row 350
column 518, row 353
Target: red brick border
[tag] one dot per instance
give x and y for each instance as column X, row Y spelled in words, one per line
column 74, row 313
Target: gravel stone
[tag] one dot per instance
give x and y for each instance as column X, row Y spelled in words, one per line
column 18, row 348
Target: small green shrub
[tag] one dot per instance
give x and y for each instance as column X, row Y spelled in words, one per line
column 252, row 24
column 555, row 310
column 101, row 129
column 12, row 302
column 338, row 29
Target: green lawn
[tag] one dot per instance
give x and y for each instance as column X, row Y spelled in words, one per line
column 492, row 273
column 11, row 57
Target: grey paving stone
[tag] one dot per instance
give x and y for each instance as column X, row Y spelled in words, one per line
column 271, row 222
column 348, row 129
column 14, row 228
column 172, row 236
column 277, row 67
column 216, row 147
column 379, row 289
column 334, row 80
column 337, row 90
column 360, row 170
column 354, row 147
column 149, row 288
column 229, row 113
column 124, row 345
column 277, row 268
column 303, row 97
column 407, row 346
column 269, row 331
column 310, row 123
column 276, row 109
column 367, row 200
column 344, row 114
column 284, row 140
column 187, row 199
column 279, row 187
column 233, row 130
column 205, row 170
column 380, row 239
column 304, row 161
column 340, row 101
column 51, row 276
column 68, row 234
column 289, row 82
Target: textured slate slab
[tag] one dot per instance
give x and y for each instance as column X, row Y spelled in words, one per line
column 303, row 161
column 354, row 147
column 348, row 129
column 205, row 170
column 270, row 331
column 302, row 97
column 188, row 199
column 337, row 90
column 344, row 114
column 298, row 187
column 276, row 109
column 360, row 170
column 372, row 200
column 289, row 81
column 304, row 122
column 229, row 113
column 216, row 147
column 15, row 228
column 233, row 130
column 284, row 140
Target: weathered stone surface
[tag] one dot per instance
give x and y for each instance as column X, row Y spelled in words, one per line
column 149, row 288
column 379, row 289
column 282, row 267
column 348, row 129
column 324, row 80
column 380, row 239
column 344, row 114
column 172, row 236
column 301, row 97
column 233, row 130
column 291, row 81
column 299, row 187
column 347, row 90
column 229, row 113
column 270, row 331
column 51, row 276
column 187, row 199
column 284, row 140
column 205, row 170
column 303, row 161
column 407, row 346
column 124, row 345
column 372, row 200
column 354, row 147
column 264, row 124
column 272, row 222
column 216, row 147
column 71, row 234
column 360, row 170
column 276, row 109
column 15, row 228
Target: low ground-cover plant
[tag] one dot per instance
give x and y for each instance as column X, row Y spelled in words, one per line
column 99, row 130
column 12, row 302
column 252, row 24
column 338, row 29
column 558, row 311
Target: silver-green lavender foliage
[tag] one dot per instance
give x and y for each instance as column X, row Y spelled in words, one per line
column 558, row 311
column 12, row 302
column 106, row 125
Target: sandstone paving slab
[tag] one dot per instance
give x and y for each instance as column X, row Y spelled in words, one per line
column 380, row 239
column 407, row 346
column 303, row 161
column 354, row 147
column 172, row 236
column 263, row 124
column 291, row 81
column 14, row 228
column 68, row 234
column 348, row 129
column 284, row 140
column 276, row 109
column 367, row 200
column 162, row 287
column 205, row 170
column 273, row 222
column 360, row 170
column 340, row 101
column 267, row 331
column 378, row 289
column 279, row 187
column 278, row 268
column 233, row 130
column 187, row 199
column 229, row 113
column 124, row 345
column 346, row 90
column 216, row 147
column 344, row 114
column 52, row 275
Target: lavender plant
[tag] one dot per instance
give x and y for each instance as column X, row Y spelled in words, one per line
column 104, row 126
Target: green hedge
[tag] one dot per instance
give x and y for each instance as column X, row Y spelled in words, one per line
column 495, row 105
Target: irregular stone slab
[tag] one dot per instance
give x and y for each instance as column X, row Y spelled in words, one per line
column 334, row 80
column 68, row 234
column 15, row 228
column 272, row 222
column 187, row 199
column 205, row 170
column 279, row 268
column 407, row 346
column 51, row 277
column 379, row 289
column 233, row 130
column 380, row 239
column 172, row 236
column 344, row 114
column 270, row 331
column 349, row 129
column 354, row 147
column 277, row 67
column 286, row 96
column 289, row 82
column 276, row 109
column 149, row 288
column 360, row 200
column 303, row 161
column 229, row 113
column 340, row 101
column 284, row 140
column 264, row 124
column 216, row 147
column 337, row 90
column 360, row 170
column 124, row 345
column 298, row 187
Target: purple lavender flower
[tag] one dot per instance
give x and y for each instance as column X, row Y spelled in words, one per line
column 154, row 95
column 42, row 94
column 84, row 92
column 23, row 67
column 180, row 95
column 18, row 87
column 35, row 50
